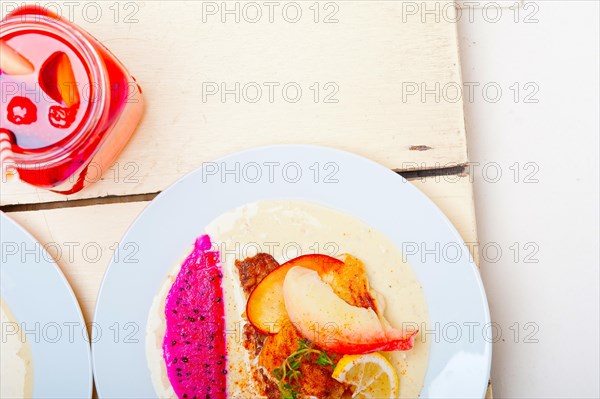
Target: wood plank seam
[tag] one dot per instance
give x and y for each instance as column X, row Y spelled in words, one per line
column 110, row 199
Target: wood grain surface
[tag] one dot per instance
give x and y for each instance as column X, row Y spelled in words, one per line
column 349, row 74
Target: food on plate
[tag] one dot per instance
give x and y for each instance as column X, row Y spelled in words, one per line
column 334, row 324
column 16, row 374
column 194, row 351
column 266, row 309
column 370, row 375
column 284, row 359
column 288, row 299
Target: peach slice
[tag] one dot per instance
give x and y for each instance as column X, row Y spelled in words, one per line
column 333, row 324
column 57, row 79
column 265, row 308
column 12, row 62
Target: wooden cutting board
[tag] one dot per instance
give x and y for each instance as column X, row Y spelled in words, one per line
column 348, row 74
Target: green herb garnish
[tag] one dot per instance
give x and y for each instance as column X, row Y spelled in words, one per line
column 289, row 373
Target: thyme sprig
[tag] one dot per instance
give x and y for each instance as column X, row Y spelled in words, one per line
column 289, row 373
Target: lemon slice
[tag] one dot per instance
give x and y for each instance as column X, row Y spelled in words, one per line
column 370, row 376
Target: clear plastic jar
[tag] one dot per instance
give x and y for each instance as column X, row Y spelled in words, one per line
column 67, row 105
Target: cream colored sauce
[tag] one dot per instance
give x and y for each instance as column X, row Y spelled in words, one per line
column 16, row 374
column 286, row 229
column 155, row 332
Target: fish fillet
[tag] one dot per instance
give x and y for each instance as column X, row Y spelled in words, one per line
column 349, row 281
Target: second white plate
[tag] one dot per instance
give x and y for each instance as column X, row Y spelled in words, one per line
column 47, row 314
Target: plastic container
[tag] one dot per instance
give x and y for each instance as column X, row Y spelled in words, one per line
column 68, row 105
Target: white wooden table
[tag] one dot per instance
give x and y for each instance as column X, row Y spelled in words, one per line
column 357, row 75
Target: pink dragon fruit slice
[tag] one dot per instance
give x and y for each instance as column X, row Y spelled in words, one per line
column 194, row 346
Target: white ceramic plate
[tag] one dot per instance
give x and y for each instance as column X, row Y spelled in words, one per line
column 47, row 311
column 459, row 364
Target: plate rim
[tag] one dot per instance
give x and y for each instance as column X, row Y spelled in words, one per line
column 63, row 279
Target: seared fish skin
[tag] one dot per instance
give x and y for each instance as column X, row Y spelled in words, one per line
column 253, row 270
column 349, row 281
column 315, row 381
